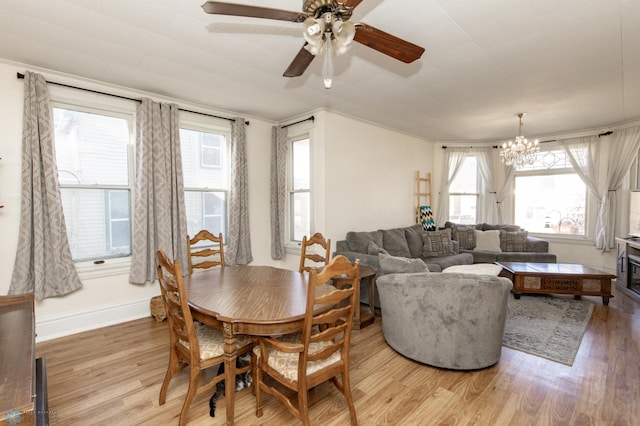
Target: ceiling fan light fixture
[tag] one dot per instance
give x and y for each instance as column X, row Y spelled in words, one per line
column 313, row 31
column 328, row 66
column 343, row 32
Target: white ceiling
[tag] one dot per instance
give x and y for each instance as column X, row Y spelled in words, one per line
column 570, row 64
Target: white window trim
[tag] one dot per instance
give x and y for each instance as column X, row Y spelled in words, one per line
column 300, row 131
column 590, row 206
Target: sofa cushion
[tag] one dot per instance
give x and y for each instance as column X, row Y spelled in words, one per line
column 465, row 236
column 375, row 249
column 488, row 240
column 437, row 243
column 394, row 241
column 395, row 264
column 513, row 241
column 359, row 241
column 413, row 234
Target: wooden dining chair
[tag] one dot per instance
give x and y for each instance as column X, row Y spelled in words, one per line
column 191, row 344
column 307, row 243
column 214, row 255
column 319, row 353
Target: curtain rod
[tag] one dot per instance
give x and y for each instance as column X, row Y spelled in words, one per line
column 21, row 76
column 312, row 118
column 480, row 146
column 551, row 140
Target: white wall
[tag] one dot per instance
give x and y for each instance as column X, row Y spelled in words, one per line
column 363, row 179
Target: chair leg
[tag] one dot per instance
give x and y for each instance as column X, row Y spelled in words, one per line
column 171, row 368
column 254, row 367
column 303, row 406
column 346, row 386
column 194, row 377
column 257, row 380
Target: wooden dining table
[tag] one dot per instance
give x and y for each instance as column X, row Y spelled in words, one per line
column 250, row 300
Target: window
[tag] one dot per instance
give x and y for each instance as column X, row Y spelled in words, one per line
column 300, row 189
column 206, row 178
column 464, row 193
column 550, row 197
column 92, row 154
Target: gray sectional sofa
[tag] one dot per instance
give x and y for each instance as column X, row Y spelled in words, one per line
column 450, row 246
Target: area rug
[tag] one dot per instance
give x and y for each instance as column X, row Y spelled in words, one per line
column 547, row 326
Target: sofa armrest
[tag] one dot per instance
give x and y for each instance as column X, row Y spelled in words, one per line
column 537, row 245
column 365, row 259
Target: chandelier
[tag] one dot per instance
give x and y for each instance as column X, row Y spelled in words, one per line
column 521, row 152
column 328, row 34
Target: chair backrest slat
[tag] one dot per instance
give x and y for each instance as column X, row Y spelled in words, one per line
column 214, row 255
column 307, row 243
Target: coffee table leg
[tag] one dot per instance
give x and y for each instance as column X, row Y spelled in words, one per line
column 605, row 300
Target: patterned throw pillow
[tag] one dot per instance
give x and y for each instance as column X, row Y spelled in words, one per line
column 394, row 264
column 465, row 235
column 513, row 241
column 437, row 243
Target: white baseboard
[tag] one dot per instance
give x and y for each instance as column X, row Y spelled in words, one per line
column 54, row 326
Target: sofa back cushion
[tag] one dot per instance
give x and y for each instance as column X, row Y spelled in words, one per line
column 394, row 241
column 413, row 235
column 359, row 241
column 500, row 227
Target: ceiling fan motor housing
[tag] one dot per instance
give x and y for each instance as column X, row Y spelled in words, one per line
column 316, row 8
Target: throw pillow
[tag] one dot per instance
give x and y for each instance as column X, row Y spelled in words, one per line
column 513, row 241
column 375, row 249
column 488, row 241
column 395, row 264
column 394, row 241
column 465, row 235
column 437, row 243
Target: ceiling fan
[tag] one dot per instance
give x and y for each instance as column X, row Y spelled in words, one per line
column 326, row 28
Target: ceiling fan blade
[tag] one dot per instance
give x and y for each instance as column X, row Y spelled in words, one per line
column 234, row 9
column 300, row 63
column 351, row 3
column 388, row 44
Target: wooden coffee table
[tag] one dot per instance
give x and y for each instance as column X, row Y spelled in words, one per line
column 557, row 278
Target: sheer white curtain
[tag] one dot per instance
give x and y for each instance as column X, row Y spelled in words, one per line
column 238, row 240
column 43, row 264
column 495, row 191
column 583, row 153
column 453, row 159
column 623, row 150
column 160, row 220
column 279, row 153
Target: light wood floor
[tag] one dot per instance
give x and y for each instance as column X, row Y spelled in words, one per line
column 113, row 376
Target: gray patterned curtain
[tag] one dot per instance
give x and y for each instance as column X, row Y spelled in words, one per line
column 160, row 220
column 238, row 241
column 43, row 265
column 279, row 152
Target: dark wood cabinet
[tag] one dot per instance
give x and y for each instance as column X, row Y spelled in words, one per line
column 23, row 388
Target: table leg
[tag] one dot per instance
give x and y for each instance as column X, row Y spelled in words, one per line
column 230, row 371
column 372, row 297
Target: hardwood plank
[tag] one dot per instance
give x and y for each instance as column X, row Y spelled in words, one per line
column 113, row 376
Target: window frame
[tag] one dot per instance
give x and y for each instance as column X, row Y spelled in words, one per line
column 476, row 194
column 192, row 124
column 291, row 191
column 568, row 170
column 65, row 98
